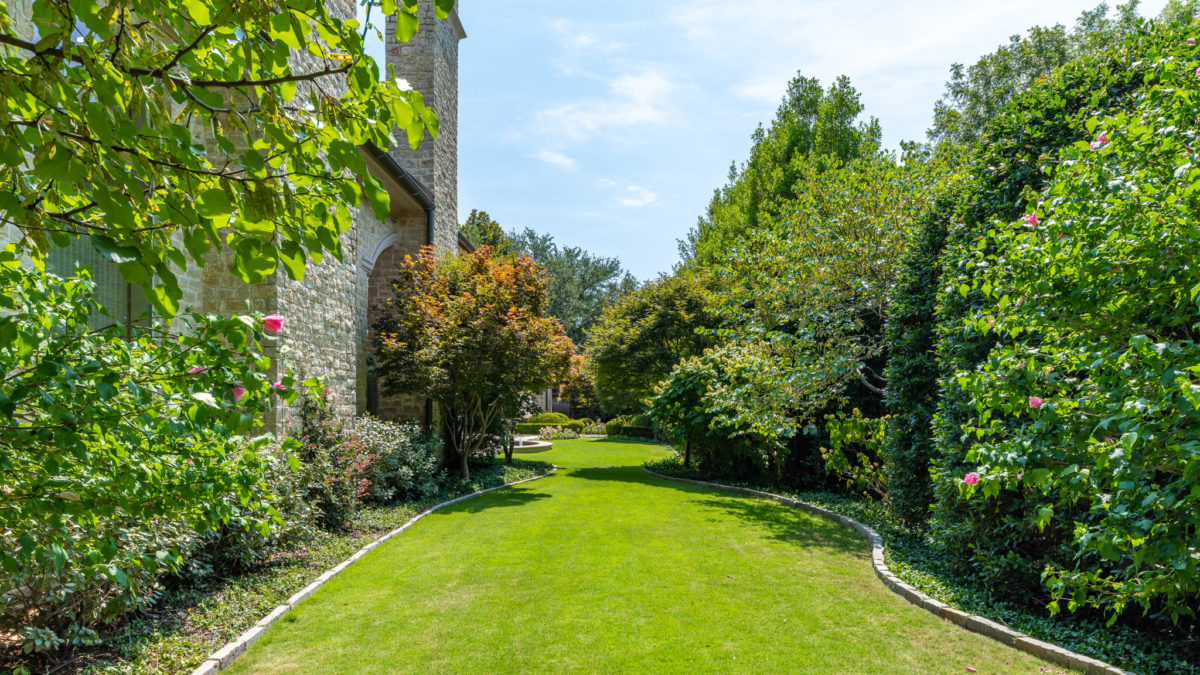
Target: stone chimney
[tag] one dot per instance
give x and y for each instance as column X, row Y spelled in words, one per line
column 429, row 61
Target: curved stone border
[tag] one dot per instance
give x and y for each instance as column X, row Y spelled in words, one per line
column 225, row 655
column 976, row 624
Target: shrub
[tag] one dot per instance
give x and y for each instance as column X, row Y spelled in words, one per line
column 548, row 418
column 529, row 428
column 855, row 451
column 730, row 406
column 335, row 464
column 595, row 429
column 1088, row 405
column 1087, row 309
column 587, row 422
column 406, row 460
column 613, row 427
column 243, row 542
column 912, row 368
column 641, row 421
column 119, row 445
column 556, row 434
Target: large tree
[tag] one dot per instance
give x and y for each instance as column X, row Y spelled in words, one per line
column 471, row 334
column 640, row 338
column 581, row 284
column 167, row 127
column 812, row 126
column 975, row 94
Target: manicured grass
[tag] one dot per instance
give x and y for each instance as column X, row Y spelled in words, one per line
column 604, row 568
column 189, row 623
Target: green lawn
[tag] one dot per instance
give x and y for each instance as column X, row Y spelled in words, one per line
column 602, row 568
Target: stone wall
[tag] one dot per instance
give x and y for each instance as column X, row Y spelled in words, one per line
column 429, row 61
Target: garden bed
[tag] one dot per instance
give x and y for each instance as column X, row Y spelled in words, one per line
column 189, row 623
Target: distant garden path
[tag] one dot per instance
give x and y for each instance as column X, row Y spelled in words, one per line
column 604, row 568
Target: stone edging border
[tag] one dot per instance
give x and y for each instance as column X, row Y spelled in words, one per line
column 225, row 655
column 971, row 622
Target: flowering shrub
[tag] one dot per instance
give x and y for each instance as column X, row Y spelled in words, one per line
column 406, row 459
column 595, row 430
column 117, row 446
column 1069, row 432
column 556, row 434
column 335, row 463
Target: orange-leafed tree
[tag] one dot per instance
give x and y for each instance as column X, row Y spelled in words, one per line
column 470, row 333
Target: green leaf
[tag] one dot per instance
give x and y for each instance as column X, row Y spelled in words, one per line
column 199, row 11
column 406, row 25
column 213, row 203
column 291, row 255
column 254, row 261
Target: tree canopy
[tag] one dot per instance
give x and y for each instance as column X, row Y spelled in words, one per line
column 471, row 334
column 115, row 111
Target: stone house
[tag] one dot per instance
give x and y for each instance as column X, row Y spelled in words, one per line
column 330, row 311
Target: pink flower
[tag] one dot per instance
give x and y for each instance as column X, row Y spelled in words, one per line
column 188, row 460
column 1198, row 72
column 238, row 393
column 196, row 370
column 1100, row 142
column 992, row 323
column 273, row 323
column 971, row 478
column 1191, row 42
column 1032, row 219
column 1035, row 402
column 279, row 386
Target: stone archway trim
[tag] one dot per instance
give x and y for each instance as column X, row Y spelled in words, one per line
column 368, row 263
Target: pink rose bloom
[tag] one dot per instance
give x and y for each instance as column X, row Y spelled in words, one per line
column 971, row 478
column 238, row 393
column 196, row 370
column 273, row 323
column 1100, row 142
column 1035, row 402
column 279, row 386
column 1032, row 219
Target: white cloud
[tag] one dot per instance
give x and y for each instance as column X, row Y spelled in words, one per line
column 637, row 197
column 634, row 100
column 556, row 159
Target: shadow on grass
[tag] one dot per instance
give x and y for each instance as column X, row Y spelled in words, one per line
column 791, row 525
column 783, row 523
column 621, row 474
column 513, row 496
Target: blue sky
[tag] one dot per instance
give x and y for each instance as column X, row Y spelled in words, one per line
column 609, row 124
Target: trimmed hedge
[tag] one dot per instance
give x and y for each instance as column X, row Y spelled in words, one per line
column 912, row 367
column 549, row 418
column 613, row 427
column 535, row 427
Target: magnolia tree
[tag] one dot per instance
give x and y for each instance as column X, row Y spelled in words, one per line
column 471, row 334
column 118, row 446
column 168, row 127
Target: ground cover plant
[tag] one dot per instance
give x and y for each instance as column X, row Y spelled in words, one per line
column 603, row 567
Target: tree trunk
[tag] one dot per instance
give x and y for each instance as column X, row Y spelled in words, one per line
column 687, row 454
column 508, row 448
column 466, row 470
